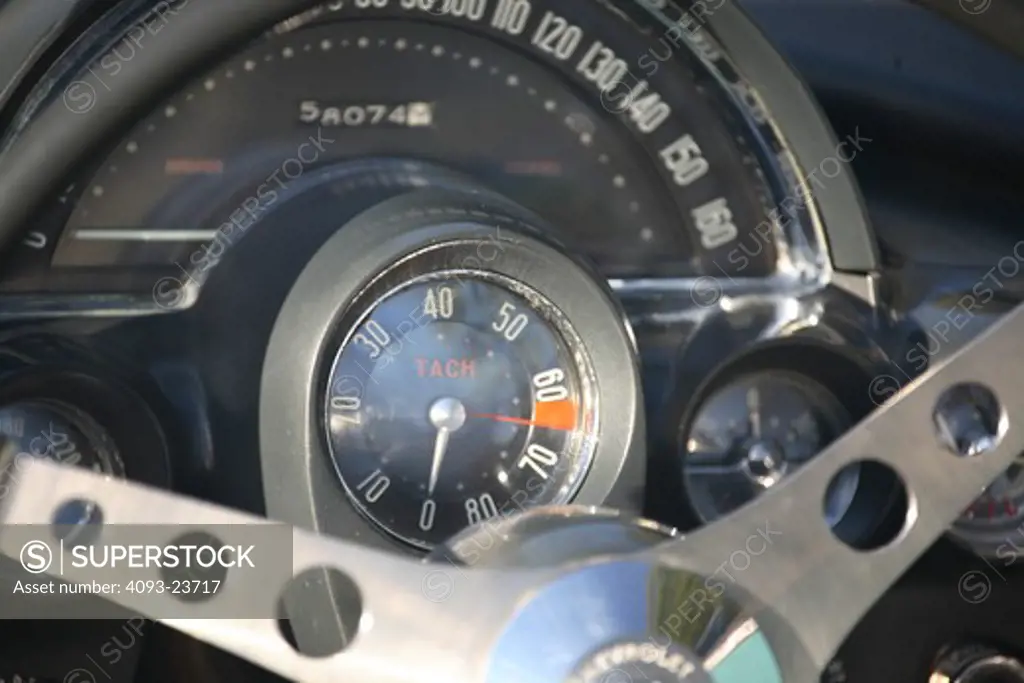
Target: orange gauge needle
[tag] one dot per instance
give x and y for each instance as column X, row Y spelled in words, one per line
column 553, row 415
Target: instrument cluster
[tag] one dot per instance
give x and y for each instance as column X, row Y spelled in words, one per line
column 395, row 268
column 602, row 306
column 564, row 165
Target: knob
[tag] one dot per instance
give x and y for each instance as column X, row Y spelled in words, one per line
column 976, row 664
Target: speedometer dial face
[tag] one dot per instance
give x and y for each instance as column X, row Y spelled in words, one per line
column 617, row 134
column 456, row 399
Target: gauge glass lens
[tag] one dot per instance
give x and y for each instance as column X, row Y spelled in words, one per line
column 968, row 423
column 1001, row 503
column 993, row 525
column 455, row 399
column 639, row 145
column 54, row 431
column 747, row 436
column 58, row 432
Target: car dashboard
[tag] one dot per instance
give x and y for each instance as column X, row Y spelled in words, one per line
column 389, row 269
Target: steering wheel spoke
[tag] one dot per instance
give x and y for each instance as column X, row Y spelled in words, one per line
column 780, row 547
column 451, row 610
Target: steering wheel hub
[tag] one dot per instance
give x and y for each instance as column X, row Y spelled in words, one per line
column 620, row 662
column 623, row 621
column 610, row 620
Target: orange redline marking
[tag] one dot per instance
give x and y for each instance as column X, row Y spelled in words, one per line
column 559, row 415
column 556, row 415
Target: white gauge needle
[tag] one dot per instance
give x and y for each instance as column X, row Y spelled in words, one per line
column 447, row 415
column 754, row 407
column 440, row 447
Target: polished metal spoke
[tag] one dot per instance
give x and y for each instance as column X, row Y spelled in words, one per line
column 780, row 548
column 418, row 621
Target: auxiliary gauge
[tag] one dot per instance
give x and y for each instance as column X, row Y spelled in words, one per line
column 752, row 430
column 56, row 431
column 993, row 525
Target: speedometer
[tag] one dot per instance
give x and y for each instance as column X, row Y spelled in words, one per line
column 613, row 130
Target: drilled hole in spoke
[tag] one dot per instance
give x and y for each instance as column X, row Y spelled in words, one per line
column 969, row 420
column 894, row 517
column 320, row 611
column 204, row 571
column 77, row 521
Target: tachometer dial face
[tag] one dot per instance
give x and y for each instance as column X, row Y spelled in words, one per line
column 456, row 398
column 629, row 140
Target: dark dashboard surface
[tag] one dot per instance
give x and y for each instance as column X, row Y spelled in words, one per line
column 942, row 180
column 942, row 186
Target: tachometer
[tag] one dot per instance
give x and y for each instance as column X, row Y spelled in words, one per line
column 485, row 381
column 461, row 369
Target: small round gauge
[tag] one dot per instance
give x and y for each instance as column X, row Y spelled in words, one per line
column 992, row 525
column 967, row 423
column 58, row 432
column 55, row 431
column 458, row 397
column 1001, row 506
column 751, row 432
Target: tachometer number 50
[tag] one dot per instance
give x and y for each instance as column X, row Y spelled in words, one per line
column 510, row 324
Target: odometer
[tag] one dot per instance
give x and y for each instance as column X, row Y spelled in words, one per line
column 459, row 397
